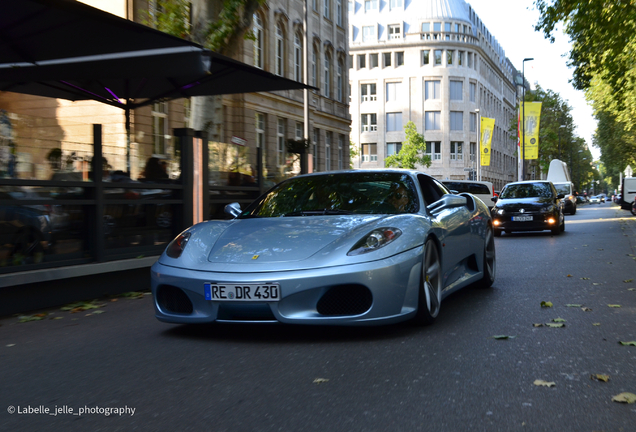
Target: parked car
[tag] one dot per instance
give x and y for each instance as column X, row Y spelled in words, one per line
column 481, row 189
column 569, row 200
column 333, row 248
column 580, row 199
column 528, row 206
column 595, row 199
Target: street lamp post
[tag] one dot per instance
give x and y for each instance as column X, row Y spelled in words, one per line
column 523, row 140
column 478, row 144
column 560, row 127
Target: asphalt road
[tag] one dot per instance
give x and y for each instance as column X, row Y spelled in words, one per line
column 452, row 376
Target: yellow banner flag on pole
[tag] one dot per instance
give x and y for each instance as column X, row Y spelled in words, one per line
column 487, row 127
column 531, row 117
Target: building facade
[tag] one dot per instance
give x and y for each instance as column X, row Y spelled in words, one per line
column 434, row 63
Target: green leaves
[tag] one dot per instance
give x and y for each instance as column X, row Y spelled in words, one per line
column 625, row 397
column 503, row 337
column 545, row 304
column 632, row 343
column 412, row 152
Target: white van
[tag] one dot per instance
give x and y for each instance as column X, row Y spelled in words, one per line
column 628, row 191
column 559, row 175
column 481, row 189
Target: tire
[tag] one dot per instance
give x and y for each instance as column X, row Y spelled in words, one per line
column 573, row 212
column 490, row 261
column 430, row 293
column 633, row 209
column 497, row 233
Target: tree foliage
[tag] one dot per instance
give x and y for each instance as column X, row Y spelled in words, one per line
column 413, row 151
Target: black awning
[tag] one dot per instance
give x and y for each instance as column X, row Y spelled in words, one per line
column 66, row 49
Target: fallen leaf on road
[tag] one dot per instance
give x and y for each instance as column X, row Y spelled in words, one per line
column 584, row 245
column 625, row 397
column 614, row 306
column 573, row 305
column 632, row 343
column 553, row 325
column 631, row 255
column 599, row 249
column 98, row 312
column 503, row 337
column 595, row 283
column 546, row 304
column 544, row 383
column 537, row 325
column 28, row 318
column 628, row 280
column 584, row 278
column 631, row 289
column 10, row 345
column 569, row 275
column 320, row 380
column 596, row 324
column 600, row 377
column 56, row 318
column 558, row 320
column 586, row 309
column 81, row 306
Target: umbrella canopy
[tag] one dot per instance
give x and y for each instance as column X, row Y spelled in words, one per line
column 69, row 50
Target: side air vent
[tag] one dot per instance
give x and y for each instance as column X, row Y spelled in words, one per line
column 173, row 300
column 345, row 300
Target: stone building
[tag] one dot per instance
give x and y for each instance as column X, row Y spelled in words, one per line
column 432, row 62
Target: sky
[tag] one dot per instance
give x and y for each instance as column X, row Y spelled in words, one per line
column 511, row 23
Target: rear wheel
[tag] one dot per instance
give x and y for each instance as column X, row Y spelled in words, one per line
column 497, row 233
column 430, row 286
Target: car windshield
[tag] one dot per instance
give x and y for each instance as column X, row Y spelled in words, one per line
column 337, row 194
column 527, row 190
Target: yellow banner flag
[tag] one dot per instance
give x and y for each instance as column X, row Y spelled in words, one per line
column 487, row 127
column 531, row 112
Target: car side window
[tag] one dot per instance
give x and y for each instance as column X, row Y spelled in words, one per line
column 431, row 189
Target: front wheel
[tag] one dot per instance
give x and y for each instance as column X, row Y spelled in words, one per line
column 430, row 293
column 490, row 261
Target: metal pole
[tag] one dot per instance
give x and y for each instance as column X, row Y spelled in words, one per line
column 523, row 142
column 479, row 149
column 306, row 82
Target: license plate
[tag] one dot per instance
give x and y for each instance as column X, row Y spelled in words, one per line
column 522, row 218
column 241, row 292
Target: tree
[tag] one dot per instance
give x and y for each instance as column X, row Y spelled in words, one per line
column 603, row 35
column 412, row 152
column 353, row 153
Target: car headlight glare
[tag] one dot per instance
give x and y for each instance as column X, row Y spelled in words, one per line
column 375, row 240
column 500, row 211
column 176, row 246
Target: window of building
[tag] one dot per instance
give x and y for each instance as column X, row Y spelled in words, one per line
column 437, row 26
column 280, row 50
column 339, row 12
column 368, row 33
column 280, row 141
column 438, row 57
column 457, row 90
column 426, row 57
column 299, row 130
column 426, row 27
column 368, row 92
column 456, row 150
column 457, row 28
column 447, row 30
column 473, row 122
column 327, row 9
column 362, row 61
column 369, row 122
column 257, row 29
column 370, row 5
column 432, row 89
column 159, row 126
column 387, row 59
column 373, row 61
column 473, row 151
column 341, row 151
column 433, row 150
column 393, row 91
column 449, row 56
column 298, row 58
column 399, row 58
column 339, row 82
column 395, row 4
column 456, row 120
column 393, row 148
column 370, row 152
column 395, row 31
column 473, row 91
column 460, row 58
column 328, row 150
column 314, row 146
column 469, row 60
column 394, row 122
column 260, row 132
column 351, row 6
column 315, row 5
column 432, row 120
column 327, row 83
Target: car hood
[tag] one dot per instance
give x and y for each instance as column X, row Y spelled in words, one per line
column 527, row 204
column 291, row 243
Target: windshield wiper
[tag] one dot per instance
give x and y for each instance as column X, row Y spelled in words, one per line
column 319, row 212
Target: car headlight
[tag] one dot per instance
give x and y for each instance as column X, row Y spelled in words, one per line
column 176, row 246
column 375, row 240
column 500, row 211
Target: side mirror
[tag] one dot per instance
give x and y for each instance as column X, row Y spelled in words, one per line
column 561, row 196
column 446, row 202
column 233, row 209
column 494, row 199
